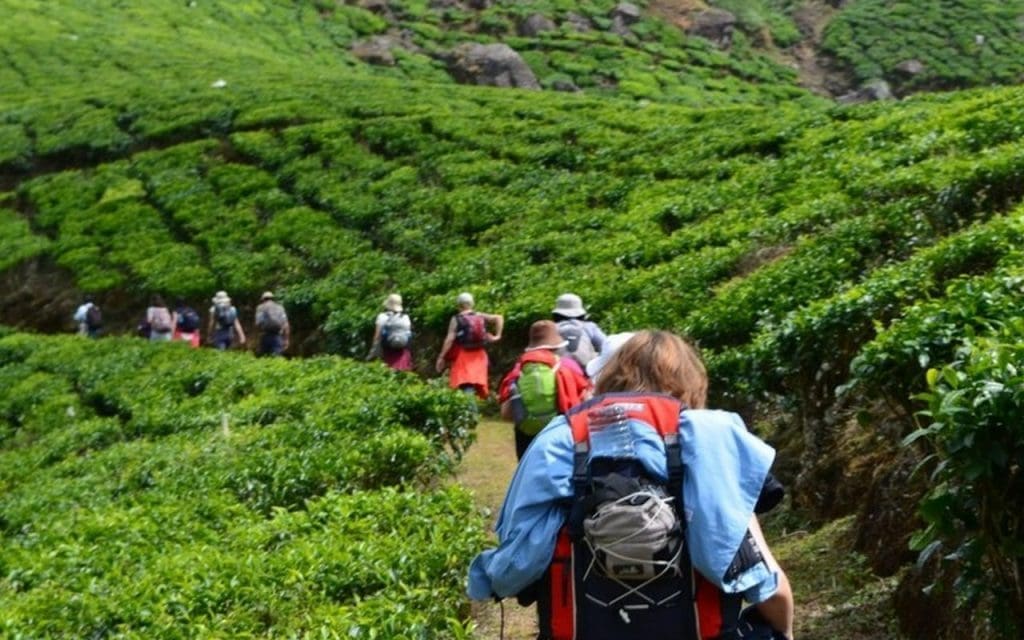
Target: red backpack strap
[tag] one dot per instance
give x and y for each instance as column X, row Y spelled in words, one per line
column 658, row 410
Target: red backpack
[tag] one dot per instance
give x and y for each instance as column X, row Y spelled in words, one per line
column 470, row 331
column 579, row 601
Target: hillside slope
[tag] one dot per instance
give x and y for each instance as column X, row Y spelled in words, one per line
column 153, row 491
column 825, row 258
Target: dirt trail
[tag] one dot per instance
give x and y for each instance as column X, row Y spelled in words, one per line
column 486, row 470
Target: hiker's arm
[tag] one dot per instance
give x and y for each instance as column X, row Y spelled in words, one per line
column 777, row 610
column 238, row 330
column 449, row 339
column 375, row 343
column 499, row 325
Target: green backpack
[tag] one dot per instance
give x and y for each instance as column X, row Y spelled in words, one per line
column 538, row 392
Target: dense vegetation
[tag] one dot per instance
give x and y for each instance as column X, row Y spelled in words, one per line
column 825, row 258
column 955, row 43
column 154, row 491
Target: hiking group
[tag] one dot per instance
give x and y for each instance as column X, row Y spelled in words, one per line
column 633, row 511
column 162, row 323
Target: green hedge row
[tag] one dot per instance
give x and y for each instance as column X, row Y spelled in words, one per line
column 151, row 490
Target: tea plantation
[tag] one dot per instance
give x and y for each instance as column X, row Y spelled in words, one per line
column 853, row 276
column 160, row 492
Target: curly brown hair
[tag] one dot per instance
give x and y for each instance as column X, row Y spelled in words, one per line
column 660, row 362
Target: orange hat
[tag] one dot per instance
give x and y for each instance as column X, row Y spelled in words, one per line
column 544, row 335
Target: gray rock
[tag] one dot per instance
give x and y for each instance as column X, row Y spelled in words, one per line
column 577, row 22
column 534, row 25
column 627, row 12
column 496, row 65
column 911, row 67
column 871, row 91
column 716, row 25
column 379, row 7
column 375, row 50
column 564, row 85
column 620, row 27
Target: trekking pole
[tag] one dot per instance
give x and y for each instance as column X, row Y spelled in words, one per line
column 501, row 625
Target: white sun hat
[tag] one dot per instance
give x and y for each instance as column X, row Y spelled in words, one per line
column 611, row 344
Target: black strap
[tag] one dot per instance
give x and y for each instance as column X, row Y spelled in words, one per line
column 674, row 466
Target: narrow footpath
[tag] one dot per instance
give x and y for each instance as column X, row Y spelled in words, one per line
column 486, row 471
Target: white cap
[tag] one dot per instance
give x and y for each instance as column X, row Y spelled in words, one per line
column 611, row 344
column 464, row 299
column 569, row 305
column 393, row 303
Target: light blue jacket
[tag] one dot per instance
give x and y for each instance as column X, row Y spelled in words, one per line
column 724, row 469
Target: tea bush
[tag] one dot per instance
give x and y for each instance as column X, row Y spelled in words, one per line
column 959, row 43
column 194, row 492
column 971, row 430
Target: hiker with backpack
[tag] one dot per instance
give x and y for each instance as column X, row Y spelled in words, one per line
column 539, row 386
column 634, row 515
column 464, row 347
column 186, row 323
column 392, row 335
column 272, row 322
column 89, row 318
column 223, row 327
column 159, row 319
column 585, row 338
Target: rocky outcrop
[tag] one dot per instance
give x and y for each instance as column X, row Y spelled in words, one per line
column 623, row 15
column 910, row 67
column 716, row 25
column 534, row 25
column 870, row 92
column 379, row 7
column 563, row 84
column 375, row 50
column 496, row 65
column 578, row 22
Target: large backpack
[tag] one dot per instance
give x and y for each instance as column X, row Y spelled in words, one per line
column 621, row 568
column 271, row 318
column 470, row 330
column 580, row 347
column 225, row 314
column 396, row 332
column 161, row 322
column 93, row 317
column 538, row 392
column 188, row 320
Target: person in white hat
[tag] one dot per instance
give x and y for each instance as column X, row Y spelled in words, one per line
column 585, row 338
column 275, row 330
column 223, row 327
column 392, row 335
column 464, row 347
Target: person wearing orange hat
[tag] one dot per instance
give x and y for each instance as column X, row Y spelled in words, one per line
column 540, row 387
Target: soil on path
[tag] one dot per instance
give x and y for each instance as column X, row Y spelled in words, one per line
column 486, row 471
